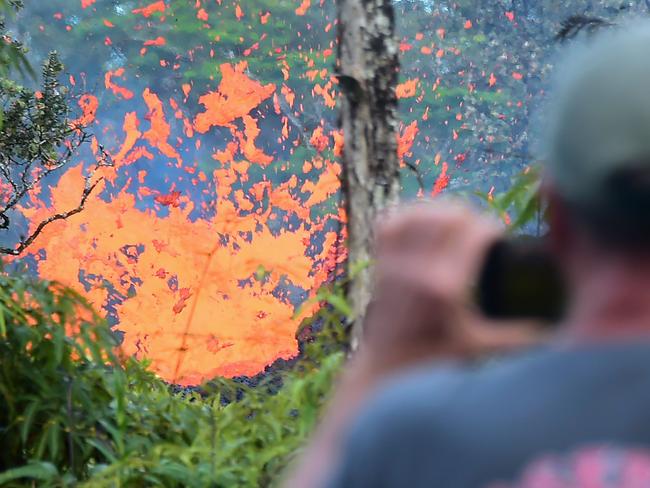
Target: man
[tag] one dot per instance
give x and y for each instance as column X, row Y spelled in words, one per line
column 415, row 409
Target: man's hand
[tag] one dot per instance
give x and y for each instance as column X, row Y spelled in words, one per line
column 428, row 257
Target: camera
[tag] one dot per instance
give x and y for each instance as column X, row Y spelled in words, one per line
column 520, row 279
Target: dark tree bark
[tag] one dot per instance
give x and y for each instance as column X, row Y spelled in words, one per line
column 368, row 69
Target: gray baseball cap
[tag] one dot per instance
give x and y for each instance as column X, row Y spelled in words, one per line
column 597, row 143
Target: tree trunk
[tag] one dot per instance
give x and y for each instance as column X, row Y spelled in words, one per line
column 368, row 69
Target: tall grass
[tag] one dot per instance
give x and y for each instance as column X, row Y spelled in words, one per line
column 72, row 412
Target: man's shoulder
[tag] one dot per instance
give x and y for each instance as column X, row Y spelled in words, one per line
column 426, row 424
column 397, row 421
column 413, row 428
column 432, row 390
column 435, row 389
column 460, row 404
column 418, row 391
column 455, row 404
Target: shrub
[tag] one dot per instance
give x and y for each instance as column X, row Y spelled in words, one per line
column 74, row 413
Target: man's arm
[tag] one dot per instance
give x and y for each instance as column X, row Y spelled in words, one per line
column 427, row 257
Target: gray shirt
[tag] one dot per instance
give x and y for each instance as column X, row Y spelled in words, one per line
column 456, row 427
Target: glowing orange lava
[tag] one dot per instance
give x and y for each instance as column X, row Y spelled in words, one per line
column 186, row 291
column 221, row 213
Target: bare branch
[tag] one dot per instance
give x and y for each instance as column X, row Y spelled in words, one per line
column 575, row 24
column 417, row 173
column 25, row 243
column 50, row 166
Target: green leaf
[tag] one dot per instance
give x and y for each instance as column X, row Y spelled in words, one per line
column 358, row 267
column 340, row 304
column 39, row 471
column 54, row 439
column 103, row 448
column 28, row 418
column 261, row 273
column 528, row 213
column 3, row 322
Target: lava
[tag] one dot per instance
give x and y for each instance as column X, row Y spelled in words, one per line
column 221, row 215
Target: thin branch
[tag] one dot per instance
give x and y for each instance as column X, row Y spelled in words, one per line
column 4, row 168
column 49, row 166
column 25, row 243
column 417, row 173
column 575, row 24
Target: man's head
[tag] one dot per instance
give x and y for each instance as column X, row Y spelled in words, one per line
column 597, row 140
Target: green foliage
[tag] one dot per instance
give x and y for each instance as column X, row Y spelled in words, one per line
column 36, row 123
column 55, row 390
column 73, row 414
column 12, row 52
column 38, row 134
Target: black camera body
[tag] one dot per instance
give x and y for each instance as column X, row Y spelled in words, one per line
column 521, row 280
